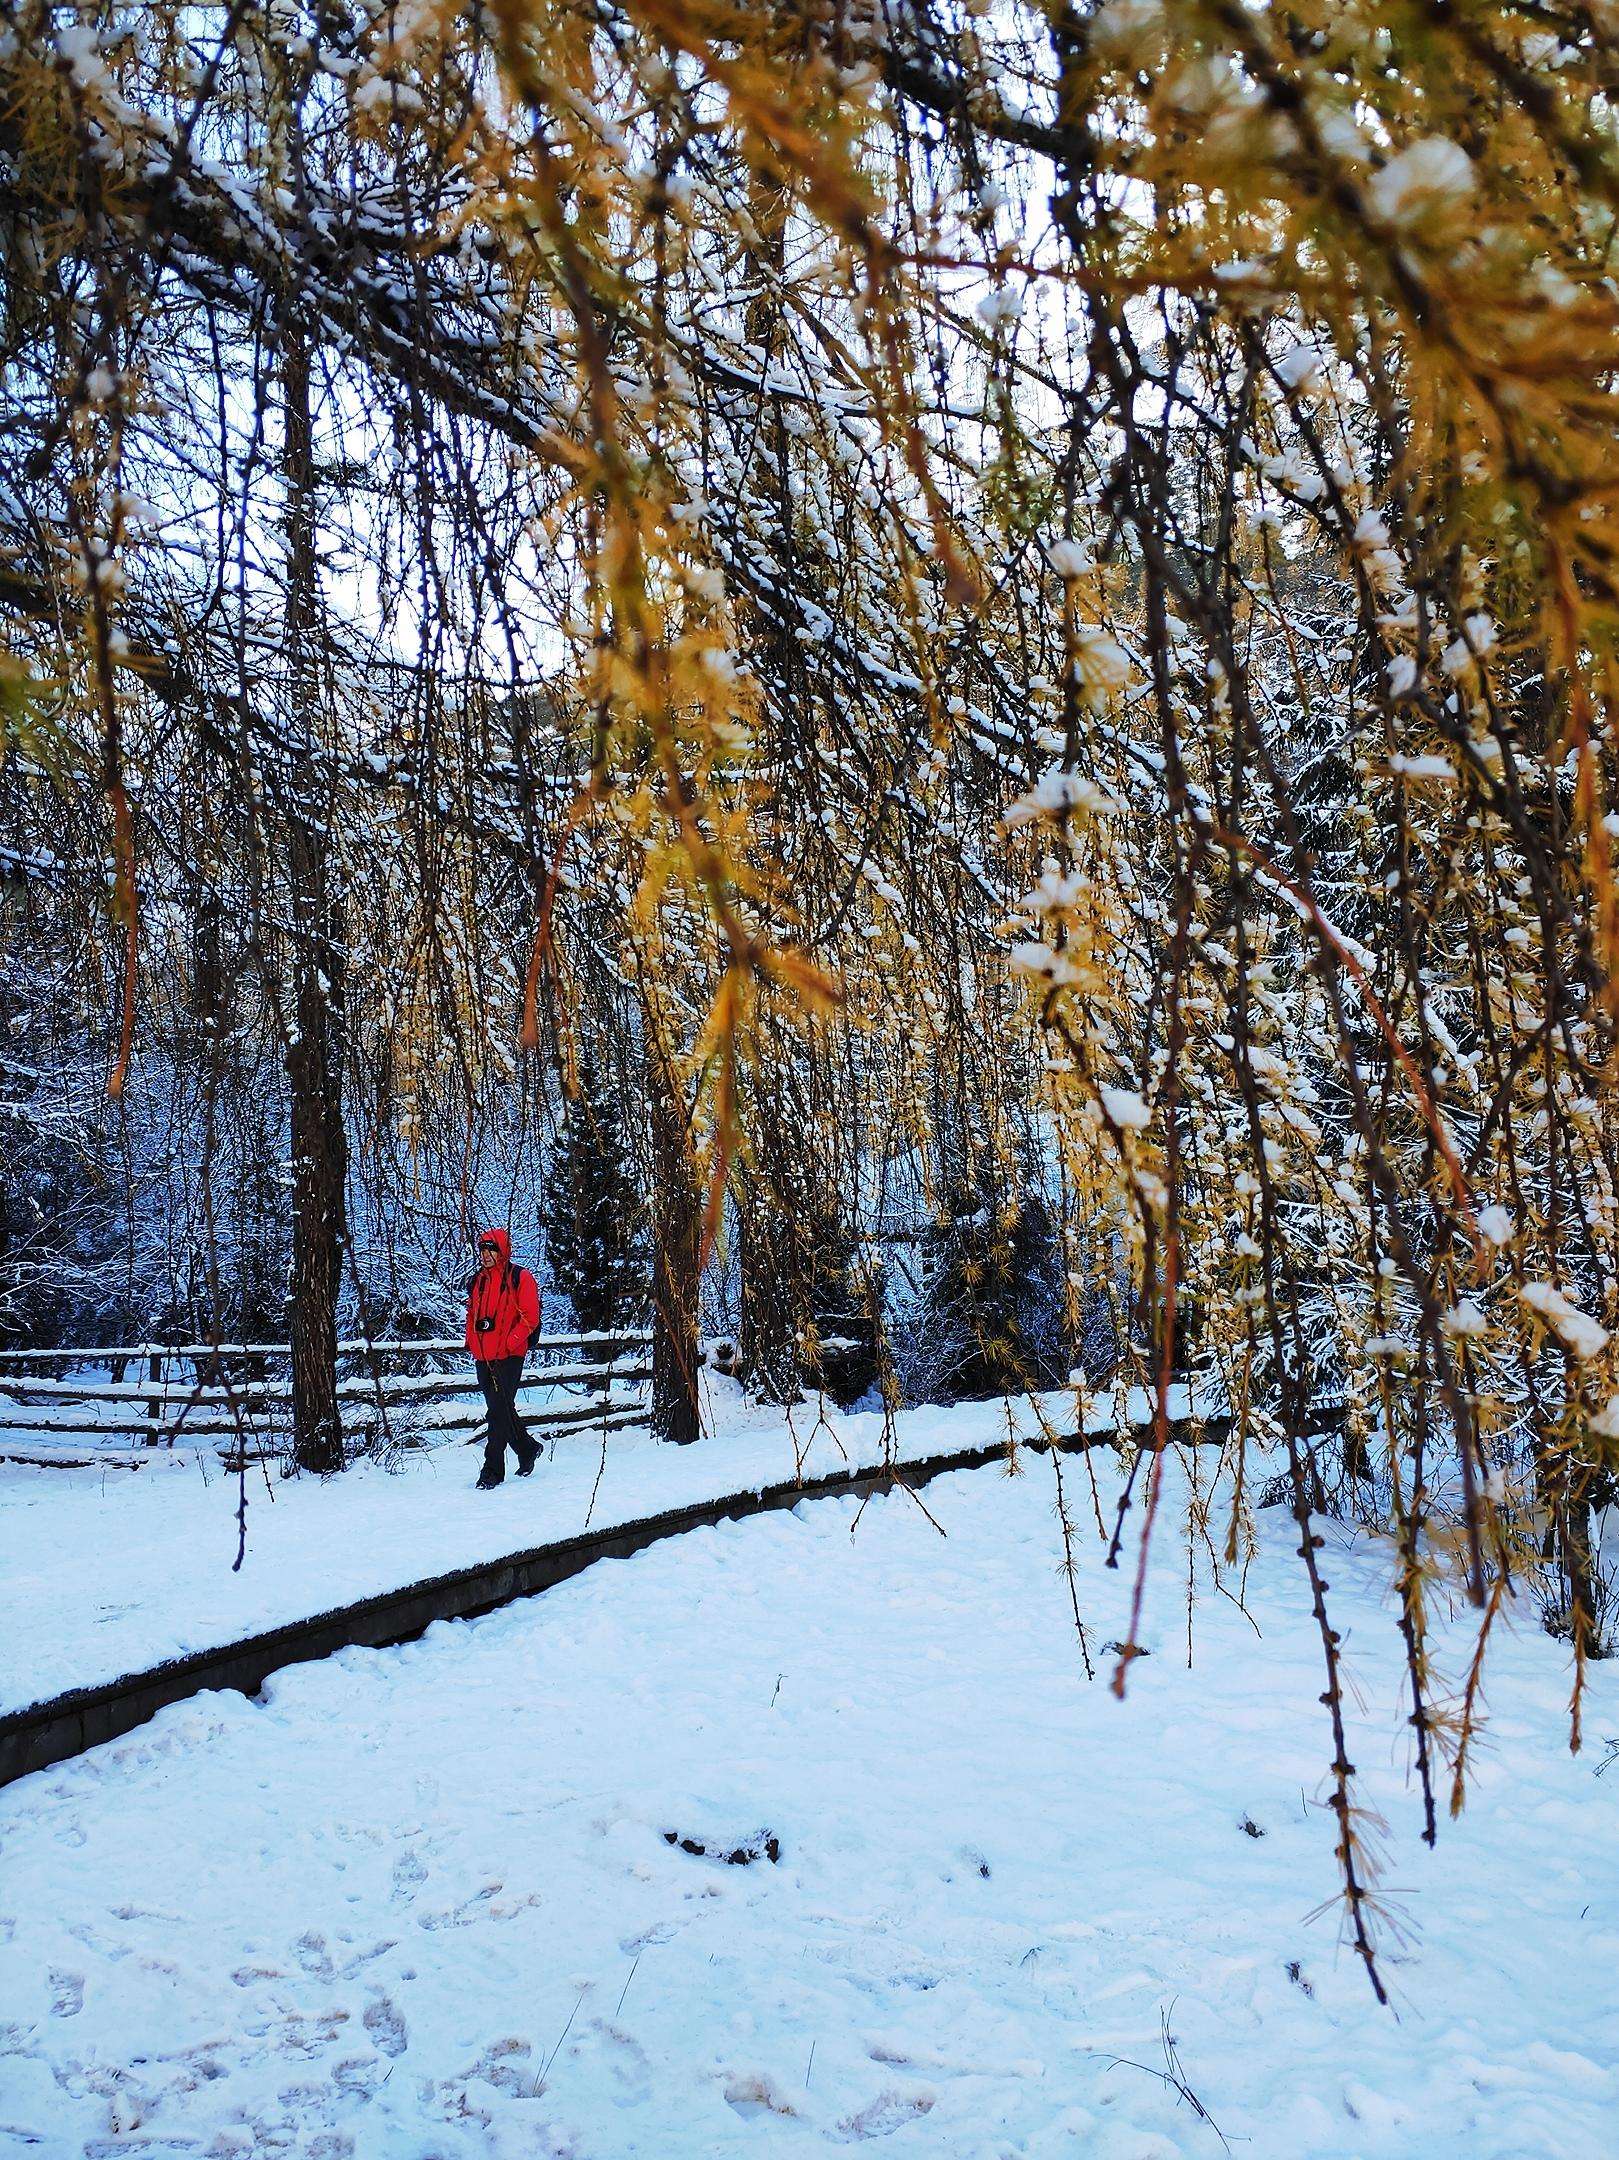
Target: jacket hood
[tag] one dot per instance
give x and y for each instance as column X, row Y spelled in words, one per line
column 502, row 1240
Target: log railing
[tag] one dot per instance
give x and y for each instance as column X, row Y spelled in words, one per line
column 76, row 1405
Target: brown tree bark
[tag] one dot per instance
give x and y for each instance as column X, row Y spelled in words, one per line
column 314, row 1045
column 1561, row 1486
column 676, row 1254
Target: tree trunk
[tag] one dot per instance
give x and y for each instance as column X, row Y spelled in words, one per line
column 1580, row 1575
column 676, row 1251
column 319, row 1175
column 314, row 1047
column 1562, row 1493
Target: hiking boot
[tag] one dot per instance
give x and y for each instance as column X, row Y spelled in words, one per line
column 526, row 1467
column 486, row 1483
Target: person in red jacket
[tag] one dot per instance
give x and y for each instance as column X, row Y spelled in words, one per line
column 503, row 1317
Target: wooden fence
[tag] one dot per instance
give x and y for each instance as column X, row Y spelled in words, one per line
column 113, row 1405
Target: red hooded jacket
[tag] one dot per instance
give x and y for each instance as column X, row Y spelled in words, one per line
column 503, row 1307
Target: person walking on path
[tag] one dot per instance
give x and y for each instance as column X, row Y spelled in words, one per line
column 503, row 1317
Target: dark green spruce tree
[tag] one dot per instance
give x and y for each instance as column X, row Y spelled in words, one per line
column 991, row 1318
column 595, row 1216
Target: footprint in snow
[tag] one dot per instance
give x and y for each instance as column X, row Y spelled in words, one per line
column 126, row 2111
column 362, row 1958
column 385, row 2022
column 890, row 2111
column 755, row 2092
column 98, row 1944
column 626, row 2061
column 67, row 1992
column 507, row 2065
column 357, row 2076
column 409, row 1875
column 465, row 1913
column 313, row 1956
column 659, row 1932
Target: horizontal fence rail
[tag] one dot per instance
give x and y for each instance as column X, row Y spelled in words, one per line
column 65, row 1406
column 349, row 1346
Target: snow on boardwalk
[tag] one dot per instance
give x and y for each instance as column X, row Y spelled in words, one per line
column 108, row 1574
column 421, row 1901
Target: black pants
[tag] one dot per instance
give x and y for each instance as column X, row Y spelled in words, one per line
column 498, row 1377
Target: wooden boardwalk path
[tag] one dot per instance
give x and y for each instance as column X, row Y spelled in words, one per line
column 54, row 1730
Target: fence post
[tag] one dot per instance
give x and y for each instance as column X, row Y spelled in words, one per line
column 603, row 1384
column 154, row 1403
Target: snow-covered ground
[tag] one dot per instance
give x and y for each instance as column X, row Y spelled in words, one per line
column 109, row 1572
column 422, row 1902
